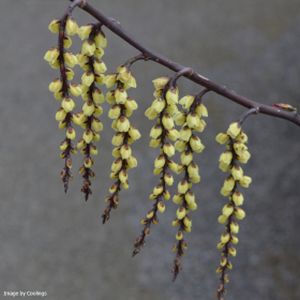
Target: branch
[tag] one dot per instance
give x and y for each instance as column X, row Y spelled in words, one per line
column 116, row 28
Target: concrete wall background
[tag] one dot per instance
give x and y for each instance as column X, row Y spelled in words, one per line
column 56, row 243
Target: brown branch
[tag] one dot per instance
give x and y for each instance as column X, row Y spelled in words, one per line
column 116, row 28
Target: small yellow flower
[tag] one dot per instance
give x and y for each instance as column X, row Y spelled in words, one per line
column 100, row 40
column 234, row 130
column 88, row 48
column 71, row 27
column 160, row 83
column 186, row 101
column 68, row 104
column 87, row 78
column 54, row 26
column 85, row 31
column 222, row 138
column 70, row 133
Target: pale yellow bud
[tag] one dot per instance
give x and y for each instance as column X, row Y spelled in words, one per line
column 160, row 82
column 88, row 48
column 180, row 213
column 228, row 186
column 222, row 219
column 110, row 80
column 98, row 97
column 84, row 31
column 193, row 170
column 237, row 172
column 70, row 74
column 100, row 40
column 51, row 55
column 88, row 162
column 67, row 42
column 120, row 95
column 186, row 101
column 180, row 145
column 245, row 181
column 238, row 198
column 54, row 26
column 158, row 105
column 161, row 207
column 118, row 139
column 60, row 115
column 226, row 158
column 244, row 157
column 116, row 152
column 179, row 236
column 156, row 131
column 232, row 251
column 125, row 151
column 99, row 67
column 123, row 176
column 131, row 104
column 186, row 157
column 55, row 86
column 81, row 144
column 201, row 110
column 70, row 133
column 234, row 239
column 132, row 162
column 242, row 137
column 70, row 59
column 234, row 228
column 196, row 144
column 234, row 130
column 183, row 187
column 75, row 89
column 169, row 180
column 150, row 113
column 134, row 133
column 174, row 167
column 63, row 146
column 157, row 190
column 154, row 143
column 88, row 136
column 117, row 165
column 227, row 210
column 187, row 222
column 225, row 237
column 177, row 199
column 172, row 95
column 93, row 150
column 173, row 134
column 97, row 126
column 167, row 121
column 239, row 213
column 169, row 149
column 68, row 104
column 87, row 78
column 192, row 206
column 180, row 118
column 222, row 138
column 123, row 124
column 71, row 27
column 193, row 120
column 114, row 112
column 159, row 162
column 61, row 125
column 88, row 108
column 185, row 133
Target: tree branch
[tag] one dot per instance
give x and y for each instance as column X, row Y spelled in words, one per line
column 116, row 28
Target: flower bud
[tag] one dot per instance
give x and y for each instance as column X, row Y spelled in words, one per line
column 157, row 190
column 193, row 170
column 239, row 213
column 180, row 213
column 150, row 113
column 84, row 31
column 134, row 133
column 180, row 118
column 225, row 237
column 55, row 86
column 110, row 80
column 169, row 180
column 227, row 210
column 185, row 133
column 132, row 162
column 70, row 133
column 238, row 198
column 120, row 96
column 131, row 104
column 68, row 104
column 88, row 162
column 245, row 181
column 222, row 219
column 186, row 101
column 222, row 138
column 75, row 89
column 234, row 228
column 51, row 55
column 118, row 139
column 54, row 26
column 60, row 115
column 232, row 251
column 167, row 122
column 183, row 187
column 180, row 145
column 226, row 158
column 158, row 105
column 123, row 176
column 196, row 144
column 186, row 157
column 156, row 131
column 234, row 130
column 87, row 78
column 97, row 126
column 172, row 95
column 70, row 59
column 71, row 27
column 100, row 40
column 160, row 83
column 88, row 48
column 177, row 199
column 114, row 112
column 81, row 144
column 125, row 151
column 201, row 110
column 123, row 124
column 192, row 120
column 161, row 207
column 88, row 108
column 99, row 67
column 179, row 236
column 244, row 157
column 88, row 136
column 169, row 149
column 154, row 143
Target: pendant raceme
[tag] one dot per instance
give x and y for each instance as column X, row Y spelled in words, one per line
column 122, row 107
column 236, row 153
column 191, row 121
column 163, row 136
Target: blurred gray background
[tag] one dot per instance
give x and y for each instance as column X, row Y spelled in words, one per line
column 57, row 243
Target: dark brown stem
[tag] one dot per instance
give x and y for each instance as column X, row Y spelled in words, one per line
column 116, row 28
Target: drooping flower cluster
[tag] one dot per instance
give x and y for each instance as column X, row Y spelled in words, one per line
column 191, row 122
column 65, row 61
column 236, row 153
column 94, row 42
column 163, row 136
column 122, row 107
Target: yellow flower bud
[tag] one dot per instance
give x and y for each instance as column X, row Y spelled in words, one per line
column 244, row 157
column 160, row 82
column 84, row 31
column 75, row 89
column 196, row 144
column 180, row 118
column 156, row 131
column 237, row 172
column 159, row 162
column 68, row 104
column 132, row 162
column 81, row 144
column 98, row 97
column 118, row 139
column 88, row 108
column 88, row 136
column 192, row 206
column 100, row 40
column 134, row 133
column 187, row 222
column 99, row 67
column 177, row 199
column 239, row 213
column 245, row 181
column 110, row 80
column 54, row 26
column 234, row 228
column 70, row 59
column 183, row 187
column 201, row 110
column 131, row 104
column 172, row 95
column 117, row 165
column 120, row 96
column 234, row 239
column 51, row 55
column 169, row 180
column 93, row 150
column 161, row 207
column 193, row 170
column 64, row 145
column 242, row 137
column 186, row 157
column 238, row 198
column 97, row 126
column 125, row 151
column 172, row 110
column 55, row 86
column 234, row 130
column 60, row 115
column 222, row 138
column 185, row 133
column 70, row 74
column 227, row 210
column 180, row 213
column 114, row 112
column 173, row 134
column 226, row 158
column 222, row 219
column 123, row 124
column 232, row 251
column 180, row 146
column 87, row 78
column 193, row 120
column 71, row 27
column 88, row 48
column 167, row 122
column 70, row 133
column 157, row 190
column 150, row 113
column 166, row 195
column 61, row 125
column 67, row 42
column 174, row 167
column 169, row 149
column 116, row 152
column 123, row 176
column 158, row 105
column 88, row 162
column 186, row 101
column 179, row 236
column 154, row 143
column 79, row 119
column 225, row 237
